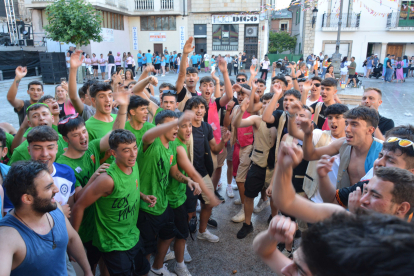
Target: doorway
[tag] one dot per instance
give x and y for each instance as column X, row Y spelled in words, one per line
column 395, row 49
column 158, row 48
column 370, row 49
column 200, row 46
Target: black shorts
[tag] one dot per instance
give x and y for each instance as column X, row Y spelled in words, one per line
column 172, row 64
column 181, row 222
column 95, row 67
column 176, row 66
column 130, row 262
column 153, row 227
column 157, row 66
column 255, row 180
column 92, row 253
column 352, row 76
column 195, row 65
column 191, row 201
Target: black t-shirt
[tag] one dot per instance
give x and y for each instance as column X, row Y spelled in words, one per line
column 61, row 111
column 182, row 94
column 111, row 59
column 342, row 195
column 322, row 118
column 385, row 124
column 244, row 58
column 223, row 111
column 280, row 102
column 277, row 114
column 199, row 150
column 389, row 64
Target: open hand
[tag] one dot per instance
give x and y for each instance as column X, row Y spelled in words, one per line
column 188, row 46
column 76, row 59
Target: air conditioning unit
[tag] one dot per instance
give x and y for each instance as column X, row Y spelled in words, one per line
column 251, row 31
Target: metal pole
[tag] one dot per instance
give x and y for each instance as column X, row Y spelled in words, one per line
column 336, row 58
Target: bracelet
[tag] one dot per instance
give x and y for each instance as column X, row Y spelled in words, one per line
column 294, row 78
column 290, row 115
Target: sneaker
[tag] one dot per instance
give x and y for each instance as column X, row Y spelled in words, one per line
column 207, row 236
column 234, row 185
column 198, row 208
column 181, row 271
column 169, row 256
column 240, row 215
column 192, row 225
column 163, row 271
column 245, row 230
column 187, row 257
column 219, row 196
column 212, row 223
column 229, row 191
column 219, row 185
column 237, row 202
column 261, row 205
column 287, row 253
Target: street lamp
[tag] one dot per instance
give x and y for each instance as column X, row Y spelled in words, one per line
column 336, row 57
column 314, row 13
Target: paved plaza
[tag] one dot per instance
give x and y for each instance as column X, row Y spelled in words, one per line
column 232, row 254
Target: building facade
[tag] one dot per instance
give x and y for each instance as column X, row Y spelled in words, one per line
column 281, row 21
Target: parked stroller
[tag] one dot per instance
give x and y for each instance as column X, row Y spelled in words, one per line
column 376, row 71
column 358, row 81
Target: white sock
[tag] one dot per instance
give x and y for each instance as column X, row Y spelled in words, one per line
column 182, row 265
column 228, row 185
column 156, row 270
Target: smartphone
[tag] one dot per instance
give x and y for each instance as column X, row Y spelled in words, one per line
column 62, row 80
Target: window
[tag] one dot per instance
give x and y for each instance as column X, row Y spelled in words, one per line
column 225, row 37
column 112, row 20
column 158, row 23
column 406, row 14
column 297, row 17
column 283, row 27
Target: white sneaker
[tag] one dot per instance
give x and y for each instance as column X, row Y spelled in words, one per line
column 237, row 202
column 163, row 271
column 207, row 236
column 234, row 184
column 229, row 191
column 261, row 205
column 198, row 208
column 181, row 271
column 163, row 76
column 187, row 257
column 169, row 256
column 240, row 215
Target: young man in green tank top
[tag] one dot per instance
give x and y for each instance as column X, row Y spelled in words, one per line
column 116, row 196
column 259, row 175
column 158, row 161
column 138, row 114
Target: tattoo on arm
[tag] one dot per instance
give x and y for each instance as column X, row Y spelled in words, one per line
column 181, row 178
column 17, row 83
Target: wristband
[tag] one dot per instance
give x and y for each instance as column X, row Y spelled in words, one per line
column 290, row 115
column 294, row 78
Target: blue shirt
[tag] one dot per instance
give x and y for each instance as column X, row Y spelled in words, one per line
column 157, row 60
column 372, row 155
column 148, row 56
column 194, row 59
column 213, row 62
column 139, row 58
column 199, row 58
column 174, row 57
column 167, row 58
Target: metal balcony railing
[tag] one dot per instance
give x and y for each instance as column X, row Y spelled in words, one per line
column 110, row 2
column 122, row 4
column 392, row 19
column 349, row 20
column 144, row 5
column 167, row 5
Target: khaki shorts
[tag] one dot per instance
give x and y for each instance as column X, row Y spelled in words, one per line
column 209, row 185
column 223, row 154
column 269, row 176
column 244, row 157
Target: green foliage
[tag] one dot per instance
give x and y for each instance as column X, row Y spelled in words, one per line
column 73, row 21
column 281, row 41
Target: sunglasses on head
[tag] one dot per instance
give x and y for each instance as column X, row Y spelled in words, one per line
column 241, row 80
column 64, row 121
column 401, row 142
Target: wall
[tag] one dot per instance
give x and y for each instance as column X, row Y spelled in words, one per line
column 275, row 26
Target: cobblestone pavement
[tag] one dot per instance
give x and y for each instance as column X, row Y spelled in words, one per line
column 231, row 254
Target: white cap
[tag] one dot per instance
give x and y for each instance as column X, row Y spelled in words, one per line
column 375, row 54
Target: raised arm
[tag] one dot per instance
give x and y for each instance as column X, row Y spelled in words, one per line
column 253, row 105
column 326, row 189
column 11, row 95
column 18, row 138
column 286, row 198
column 307, row 86
column 293, row 129
column 293, row 75
column 250, row 121
column 227, row 120
column 217, row 93
column 268, row 112
column 227, row 84
column 253, row 74
column 76, row 60
column 188, row 48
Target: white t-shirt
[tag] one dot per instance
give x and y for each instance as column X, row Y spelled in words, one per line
column 265, row 64
column 67, row 63
column 206, row 57
column 369, row 175
column 254, row 61
column 64, row 179
column 129, row 60
column 317, row 198
column 309, row 102
column 345, row 69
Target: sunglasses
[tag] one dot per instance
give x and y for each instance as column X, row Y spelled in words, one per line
column 241, row 80
column 401, row 142
column 169, row 91
column 317, row 84
column 64, row 121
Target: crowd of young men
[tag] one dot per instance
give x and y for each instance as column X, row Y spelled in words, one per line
column 120, row 180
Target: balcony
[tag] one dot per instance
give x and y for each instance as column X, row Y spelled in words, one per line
column 167, row 5
column 350, row 22
column 144, row 5
column 400, row 22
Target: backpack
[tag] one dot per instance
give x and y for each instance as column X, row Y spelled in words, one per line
column 342, row 64
column 399, row 65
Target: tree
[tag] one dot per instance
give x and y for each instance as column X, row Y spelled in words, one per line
column 73, row 21
column 281, row 41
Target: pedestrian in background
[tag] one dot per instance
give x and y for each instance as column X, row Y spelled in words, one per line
column 399, row 64
column 265, row 67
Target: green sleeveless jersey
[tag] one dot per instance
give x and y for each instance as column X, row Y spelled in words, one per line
column 176, row 190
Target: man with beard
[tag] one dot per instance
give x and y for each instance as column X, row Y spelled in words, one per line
column 36, row 232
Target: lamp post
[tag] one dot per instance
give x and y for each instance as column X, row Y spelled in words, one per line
column 314, row 15
column 336, row 57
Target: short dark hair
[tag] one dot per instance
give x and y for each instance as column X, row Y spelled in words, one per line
column 3, row 138
column 242, row 74
column 166, row 84
column 261, row 81
column 304, row 106
column 20, row 180
column 166, row 94
column 330, row 82
column 316, row 78
column 121, row 136
column 42, row 134
column 191, row 70
column 403, row 181
column 71, row 125
column 245, row 85
column 34, row 83
column 343, row 244
column 281, row 78
column 336, row 109
column 87, row 85
column 136, row 101
column 267, row 96
column 45, row 98
column 195, row 102
column 369, row 115
column 98, row 87
column 221, row 83
column 295, row 93
column 81, row 93
column 403, row 132
column 36, row 106
column 207, row 79
column 159, row 119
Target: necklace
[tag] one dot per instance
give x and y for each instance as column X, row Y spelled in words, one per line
column 51, row 229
